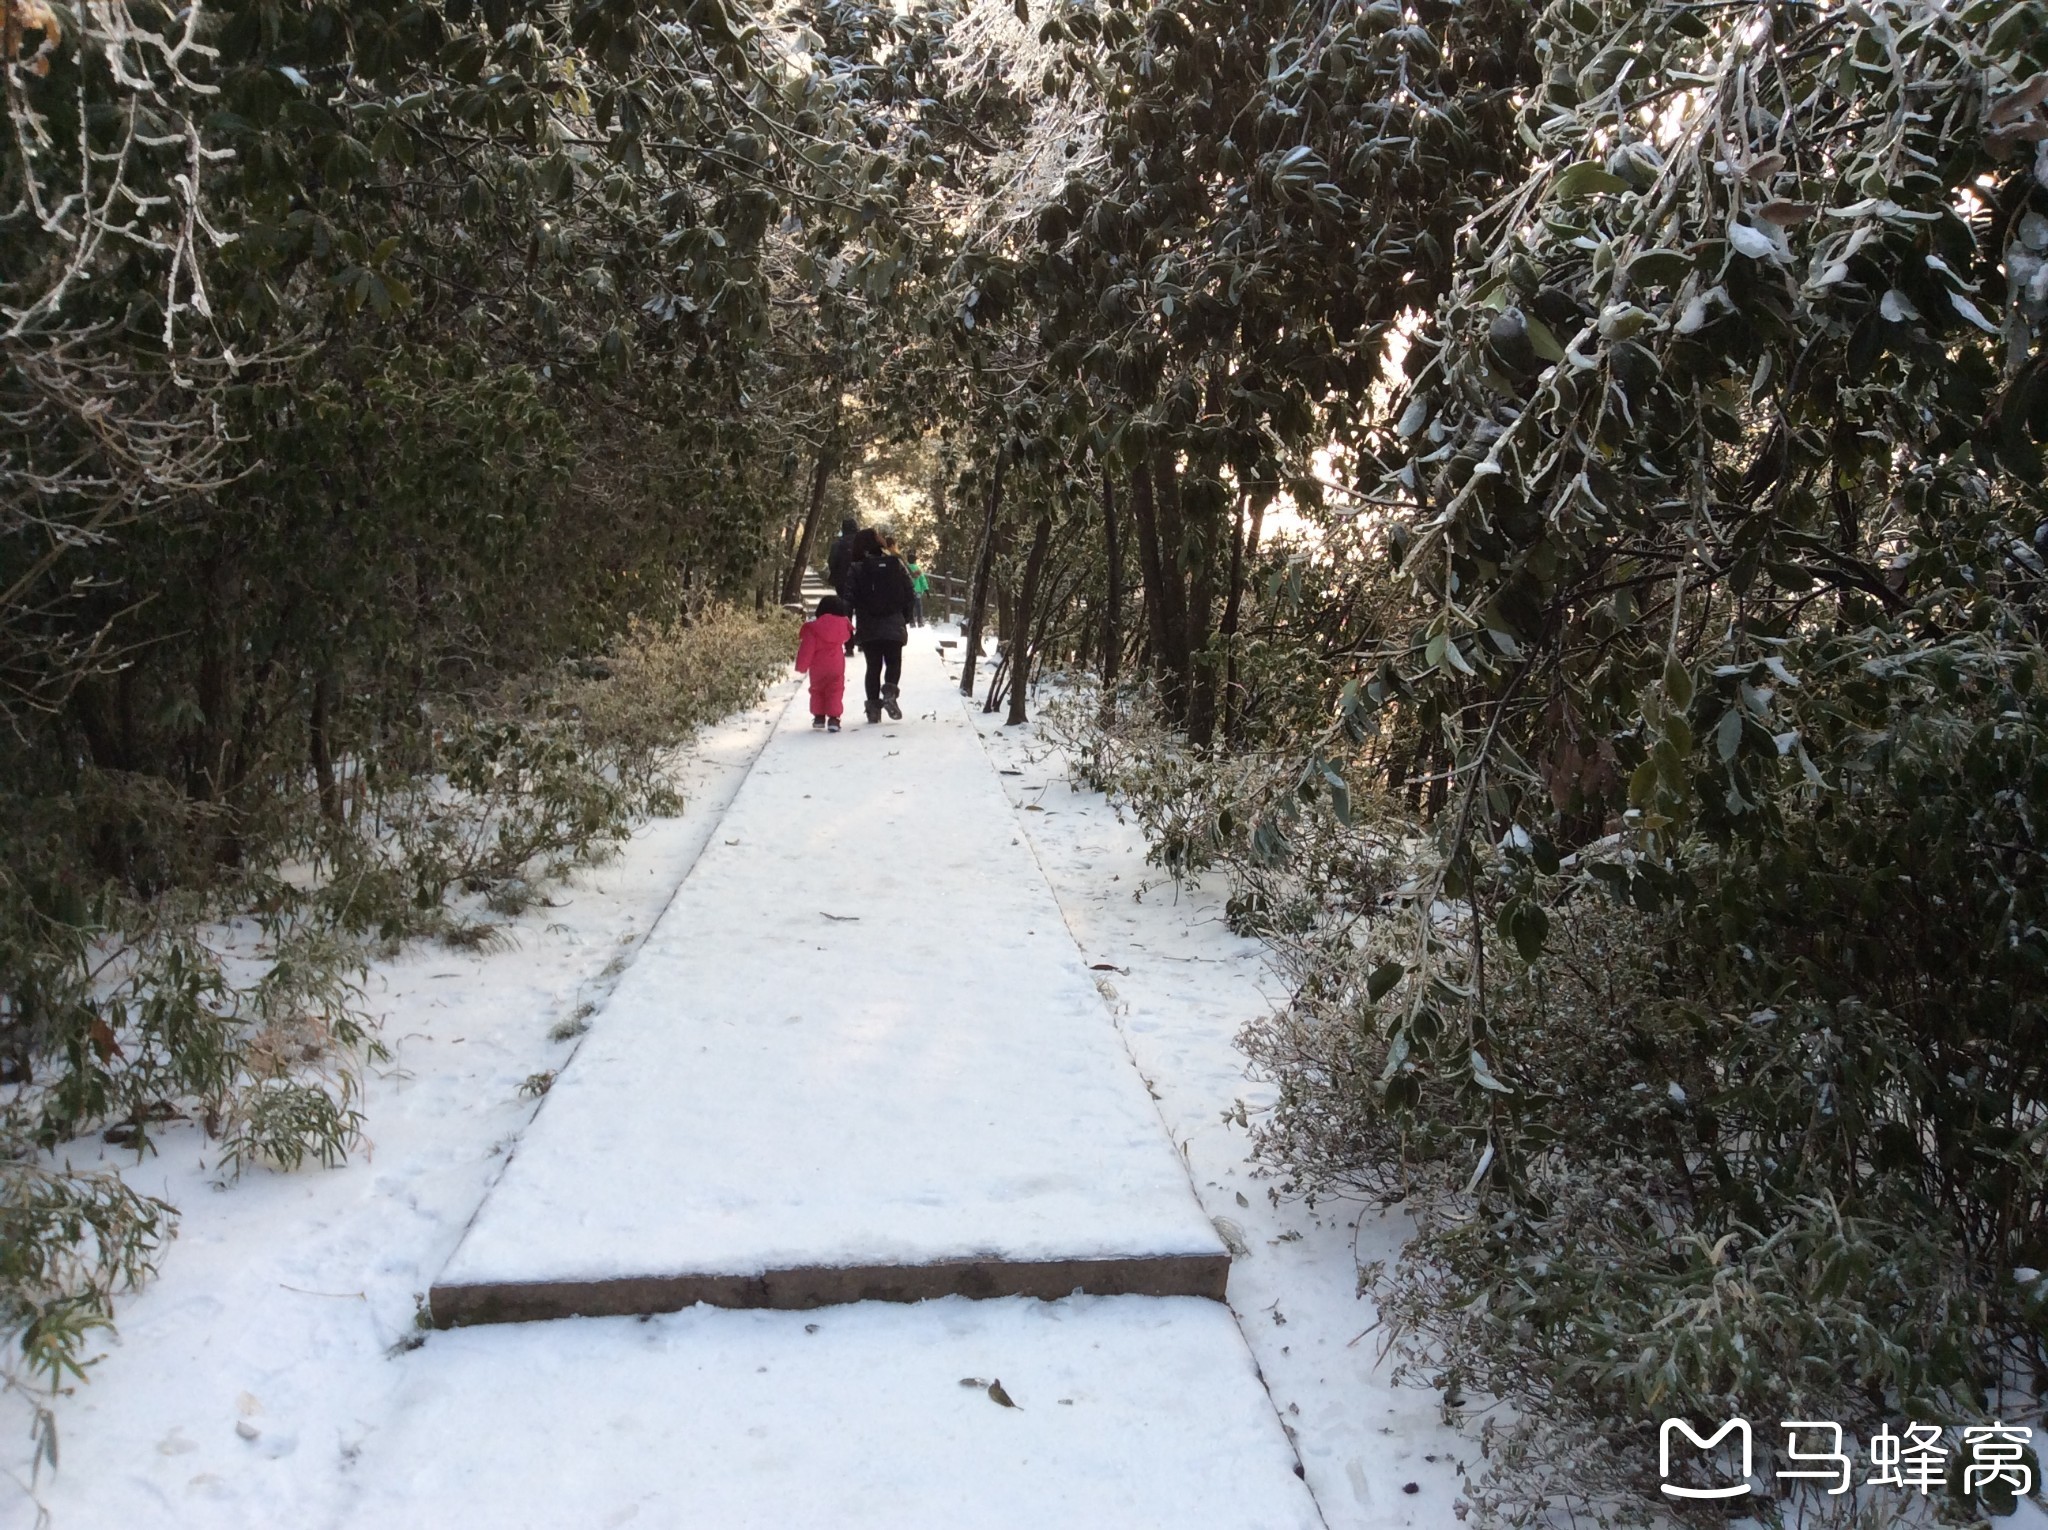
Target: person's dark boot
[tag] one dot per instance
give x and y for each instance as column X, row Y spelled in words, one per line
column 874, row 711
column 889, row 701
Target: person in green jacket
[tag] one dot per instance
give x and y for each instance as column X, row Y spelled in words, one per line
column 920, row 582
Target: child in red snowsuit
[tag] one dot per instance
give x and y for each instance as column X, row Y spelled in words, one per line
column 821, row 653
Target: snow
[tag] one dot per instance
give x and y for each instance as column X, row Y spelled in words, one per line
column 1184, row 986
column 1130, row 1412
column 275, row 1374
column 860, row 1036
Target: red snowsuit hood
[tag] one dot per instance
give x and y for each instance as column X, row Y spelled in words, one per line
column 821, row 652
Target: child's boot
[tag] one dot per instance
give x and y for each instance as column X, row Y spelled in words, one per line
column 817, row 719
column 831, row 725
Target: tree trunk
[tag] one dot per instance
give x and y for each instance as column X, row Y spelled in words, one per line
column 1176, row 663
column 793, row 580
column 320, row 745
column 1005, row 602
column 1002, row 601
column 216, row 685
column 1151, row 569
column 1204, row 533
column 1113, row 598
column 1020, row 629
column 978, row 597
column 1244, row 547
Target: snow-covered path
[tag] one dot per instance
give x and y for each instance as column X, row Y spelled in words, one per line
column 861, row 1040
column 274, row 1374
column 859, row 1057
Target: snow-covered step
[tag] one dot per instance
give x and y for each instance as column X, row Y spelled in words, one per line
column 859, row 1057
column 1129, row 1412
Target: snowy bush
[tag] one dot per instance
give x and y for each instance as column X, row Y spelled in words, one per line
column 227, row 995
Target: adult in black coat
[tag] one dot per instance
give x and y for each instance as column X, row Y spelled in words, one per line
column 839, row 559
column 839, row 564
column 882, row 602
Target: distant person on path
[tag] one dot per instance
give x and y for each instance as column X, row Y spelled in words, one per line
column 839, row 564
column 839, row 560
column 821, row 653
column 882, row 600
column 920, row 586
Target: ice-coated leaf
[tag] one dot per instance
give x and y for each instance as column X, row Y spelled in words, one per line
column 1972, row 312
column 1752, row 241
column 1586, row 179
column 1485, row 1163
column 1542, row 340
column 1728, row 736
column 1700, row 308
column 1656, row 268
column 1677, row 682
column 1642, row 784
column 1618, row 321
column 1897, row 307
column 1484, row 1078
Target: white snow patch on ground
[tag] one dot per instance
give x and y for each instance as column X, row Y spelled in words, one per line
column 1130, row 1412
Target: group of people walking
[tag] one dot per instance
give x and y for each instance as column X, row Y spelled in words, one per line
column 877, row 599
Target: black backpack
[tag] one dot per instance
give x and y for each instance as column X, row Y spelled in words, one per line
column 880, row 587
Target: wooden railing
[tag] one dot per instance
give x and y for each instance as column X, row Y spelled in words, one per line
column 946, row 601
